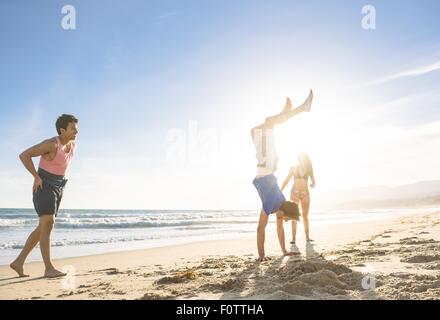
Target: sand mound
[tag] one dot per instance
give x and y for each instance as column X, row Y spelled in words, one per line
column 352, row 280
column 297, row 288
column 227, row 285
column 322, row 278
column 322, row 281
column 311, row 266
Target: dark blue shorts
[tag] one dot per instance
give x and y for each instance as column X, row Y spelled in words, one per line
column 47, row 199
column 270, row 194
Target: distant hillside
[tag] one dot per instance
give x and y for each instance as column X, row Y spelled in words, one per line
column 425, row 193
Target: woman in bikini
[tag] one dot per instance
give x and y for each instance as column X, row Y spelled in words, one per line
column 300, row 190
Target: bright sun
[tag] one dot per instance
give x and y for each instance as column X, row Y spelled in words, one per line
column 326, row 139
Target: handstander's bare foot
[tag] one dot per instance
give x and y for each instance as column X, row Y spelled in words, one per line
column 307, row 105
column 53, row 273
column 17, row 267
column 288, row 106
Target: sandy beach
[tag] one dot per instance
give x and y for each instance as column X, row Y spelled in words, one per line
column 392, row 259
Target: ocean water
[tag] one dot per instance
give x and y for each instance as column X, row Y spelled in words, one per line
column 85, row 232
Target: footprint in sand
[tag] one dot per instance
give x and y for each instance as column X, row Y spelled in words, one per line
column 65, row 294
column 359, row 265
column 432, row 266
column 104, row 285
column 148, row 274
column 416, row 240
column 401, row 275
column 119, row 292
column 156, row 296
column 113, row 271
column 108, row 269
column 421, row 259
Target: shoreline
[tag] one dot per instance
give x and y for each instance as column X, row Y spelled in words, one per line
column 79, row 251
column 120, row 268
column 270, row 232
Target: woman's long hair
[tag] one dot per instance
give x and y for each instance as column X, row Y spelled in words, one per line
column 305, row 164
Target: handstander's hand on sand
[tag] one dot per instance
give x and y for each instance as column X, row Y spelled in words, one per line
column 261, row 259
column 19, row 269
column 53, row 273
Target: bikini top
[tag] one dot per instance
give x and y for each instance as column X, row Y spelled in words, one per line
column 297, row 175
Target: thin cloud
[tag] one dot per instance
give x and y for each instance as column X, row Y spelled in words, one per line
column 431, row 129
column 404, row 74
column 167, row 15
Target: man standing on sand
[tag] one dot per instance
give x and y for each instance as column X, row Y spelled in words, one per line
column 265, row 182
column 49, row 183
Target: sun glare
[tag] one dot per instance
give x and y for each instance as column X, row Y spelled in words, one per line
column 329, row 141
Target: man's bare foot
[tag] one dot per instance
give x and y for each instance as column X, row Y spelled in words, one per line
column 53, row 273
column 307, row 105
column 17, row 267
column 288, row 106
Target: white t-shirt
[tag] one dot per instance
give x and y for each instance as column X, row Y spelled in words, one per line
column 264, row 141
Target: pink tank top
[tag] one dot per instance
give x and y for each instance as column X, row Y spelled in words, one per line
column 60, row 163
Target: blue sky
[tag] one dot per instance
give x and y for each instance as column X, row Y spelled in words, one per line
column 134, row 71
